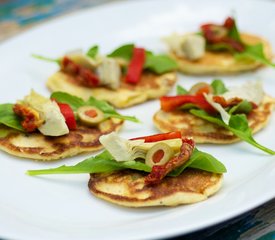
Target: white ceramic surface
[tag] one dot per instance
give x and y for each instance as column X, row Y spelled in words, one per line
column 61, row 207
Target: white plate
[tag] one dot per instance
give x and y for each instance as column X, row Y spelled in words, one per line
column 61, row 207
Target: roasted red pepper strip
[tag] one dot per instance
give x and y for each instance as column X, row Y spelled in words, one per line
column 68, row 114
column 170, row 103
column 159, row 137
column 83, row 75
column 135, row 66
column 160, row 171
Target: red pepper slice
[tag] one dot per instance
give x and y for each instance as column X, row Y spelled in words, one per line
column 170, row 103
column 135, row 66
column 160, row 137
column 68, row 114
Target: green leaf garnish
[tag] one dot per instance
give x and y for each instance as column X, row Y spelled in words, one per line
column 92, row 52
column 155, row 63
column 56, row 60
column 234, row 33
column 238, row 125
column 104, row 163
column 159, row 63
column 125, row 52
column 243, row 107
column 9, row 118
column 181, row 90
column 76, row 102
column 254, row 52
column 218, row 87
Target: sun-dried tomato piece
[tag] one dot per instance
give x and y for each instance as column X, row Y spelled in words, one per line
column 82, row 75
column 160, row 171
column 31, row 119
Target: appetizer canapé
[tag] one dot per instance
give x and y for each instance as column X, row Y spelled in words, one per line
column 126, row 77
column 48, row 129
column 211, row 113
column 219, row 49
column 157, row 170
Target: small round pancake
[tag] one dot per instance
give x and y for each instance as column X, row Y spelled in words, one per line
column 223, row 62
column 127, row 188
column 39, row 147
column 203, row 131
column 151, row 86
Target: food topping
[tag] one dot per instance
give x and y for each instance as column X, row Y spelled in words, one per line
column 53, row 121
column 135, row 67
column 220, row 34
column 126, row 150
column 84, row 76
column 251, row 91
column 68, row 114
column 160, row 171
column 118, row 147
column 191, row 46
column 170, row 103
column 31, row 118
column 201, row 88
column 159, row 154
column 109, row 72
column 78, row 57
column 90, row 115
column 160, row 137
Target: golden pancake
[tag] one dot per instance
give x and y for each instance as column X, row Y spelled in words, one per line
column 223, row 62
column 151, row 86
column 40, row 147
column 127, row 188
column 203, row 131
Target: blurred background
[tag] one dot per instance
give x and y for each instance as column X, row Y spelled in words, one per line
column 19, row 15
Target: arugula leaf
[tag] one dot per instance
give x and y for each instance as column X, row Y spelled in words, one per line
column 155, row 63
column 92, row 52
column 76, row 102
column 234, row 33
column 254, row 52
column 104, row 162
column 219, row 47
column 159, row 63
column 218, row 86
column 56, row 60
column 125, row 52
column 9, row 118
column 238, row 125
column 181, row 90
column 200, row 160
column 73, row 101
column 108, row 110
column 243, row 107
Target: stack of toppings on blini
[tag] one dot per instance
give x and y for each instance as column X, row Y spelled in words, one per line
column 157, row 170
column 127, row 76
column 211, row 113
column 219, row 49
column 47, row 129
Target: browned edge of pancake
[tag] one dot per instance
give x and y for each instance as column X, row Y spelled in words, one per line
column 151, row 86
column 214, row 63
column 203, row 131
column 39, row 147
column 127, row 188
